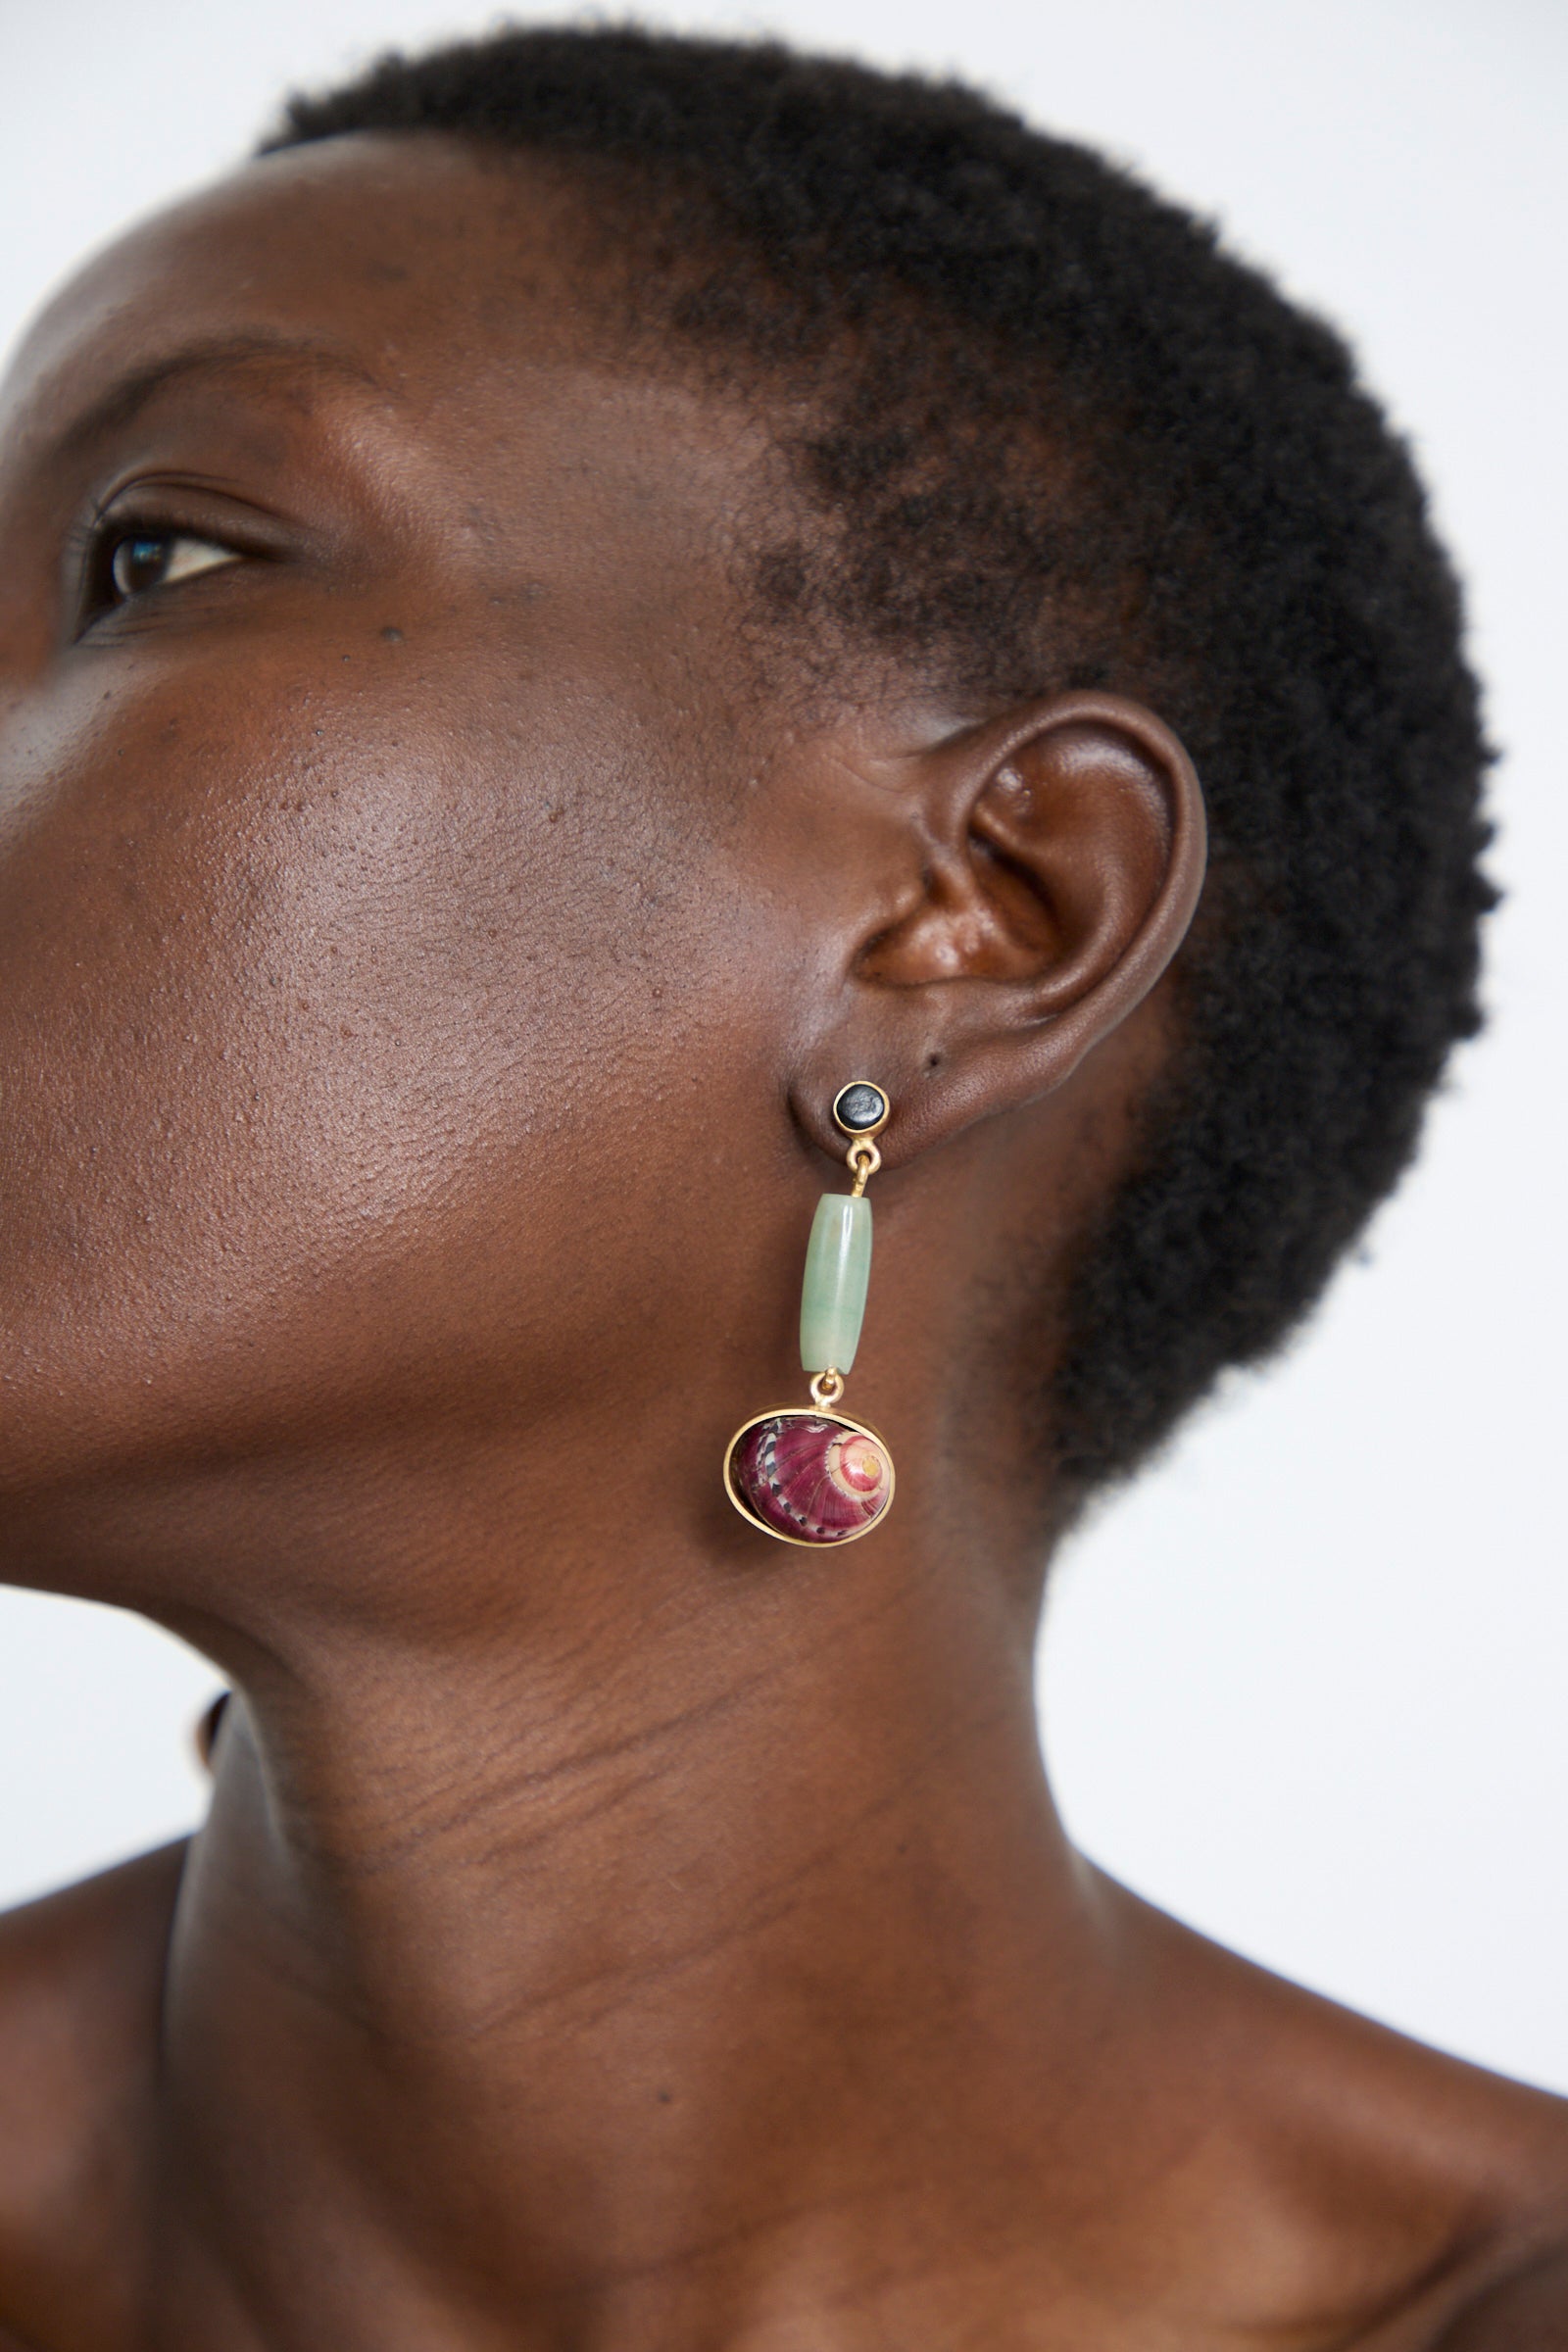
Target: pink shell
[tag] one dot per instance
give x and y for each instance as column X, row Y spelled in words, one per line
column 812, row 1477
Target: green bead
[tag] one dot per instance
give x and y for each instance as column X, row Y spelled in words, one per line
column 838, row 1268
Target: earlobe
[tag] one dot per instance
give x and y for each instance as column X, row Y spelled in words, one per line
column 1060, row 857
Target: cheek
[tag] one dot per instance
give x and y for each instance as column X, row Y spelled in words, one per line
column 321, row 1071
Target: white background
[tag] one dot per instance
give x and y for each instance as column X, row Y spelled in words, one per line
column 1304, row 1685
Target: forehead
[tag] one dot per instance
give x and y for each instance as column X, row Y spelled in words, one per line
column 422, row 254
column 455, row 306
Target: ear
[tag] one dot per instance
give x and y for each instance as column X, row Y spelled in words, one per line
column 1051, row 864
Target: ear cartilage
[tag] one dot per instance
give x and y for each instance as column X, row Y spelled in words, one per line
column 811, row 1475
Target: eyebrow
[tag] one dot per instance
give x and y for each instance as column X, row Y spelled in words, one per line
column 126, row 398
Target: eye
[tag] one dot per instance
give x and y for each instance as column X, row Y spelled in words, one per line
column 143, row 559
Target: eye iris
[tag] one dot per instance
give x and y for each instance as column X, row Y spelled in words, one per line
column 139, row 563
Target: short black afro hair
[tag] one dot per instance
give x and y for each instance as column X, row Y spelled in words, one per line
column 1060, row 439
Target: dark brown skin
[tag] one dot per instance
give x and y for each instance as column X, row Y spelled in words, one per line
column 428, row 948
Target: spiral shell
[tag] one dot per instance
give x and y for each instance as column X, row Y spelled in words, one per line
column 810, row 1477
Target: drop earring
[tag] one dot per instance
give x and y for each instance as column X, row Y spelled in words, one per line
column 807, row 1474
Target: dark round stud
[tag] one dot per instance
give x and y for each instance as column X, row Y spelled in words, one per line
column 860, row 1109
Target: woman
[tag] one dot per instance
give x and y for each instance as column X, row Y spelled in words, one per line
column 613, row 626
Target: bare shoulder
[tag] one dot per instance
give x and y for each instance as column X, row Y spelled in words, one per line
column 81, row 1985
column 1422, row 2201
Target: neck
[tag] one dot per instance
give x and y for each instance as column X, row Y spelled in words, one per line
column 641, row 1986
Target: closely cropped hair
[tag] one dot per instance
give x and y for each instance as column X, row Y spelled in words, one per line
column 1057, row 439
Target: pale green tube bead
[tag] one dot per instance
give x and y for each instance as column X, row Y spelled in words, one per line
column 838, row 1268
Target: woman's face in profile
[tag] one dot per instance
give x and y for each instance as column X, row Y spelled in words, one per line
column 436, row 914
column 382, row 836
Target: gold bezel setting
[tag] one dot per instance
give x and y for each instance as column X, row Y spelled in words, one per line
column 807, row 1412
column 861, row 1135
